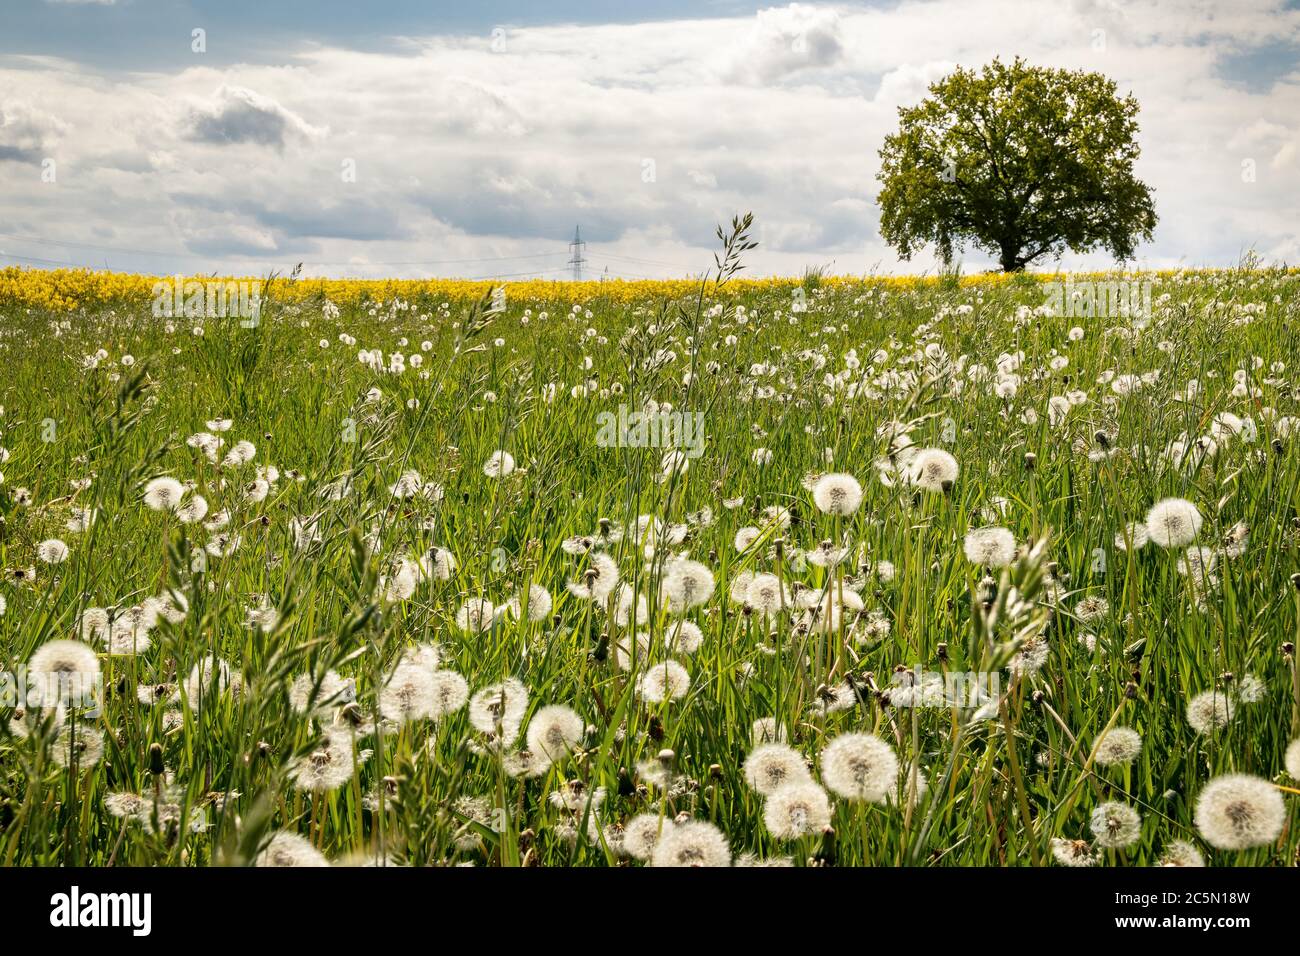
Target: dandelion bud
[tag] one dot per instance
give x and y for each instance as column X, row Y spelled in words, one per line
column 604, row 527
column 625, row 785
column 156, row 760
column 1295, row 581
column 715, row 770
column 778, row 547
column 1288, row 649
column 1102, row 439
column 1131, row 690
column 942, row 651
column 1038, row 697
column 826, row 853
column 1031, row 460
column 1277, row 446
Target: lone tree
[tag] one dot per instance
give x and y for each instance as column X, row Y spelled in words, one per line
column 1019, row 161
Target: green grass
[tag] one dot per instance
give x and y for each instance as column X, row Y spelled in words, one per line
column 1000, row 789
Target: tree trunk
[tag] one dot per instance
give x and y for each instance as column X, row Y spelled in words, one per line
column 1009, row 259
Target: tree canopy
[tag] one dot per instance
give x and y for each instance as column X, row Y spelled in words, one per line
column 1019, row 161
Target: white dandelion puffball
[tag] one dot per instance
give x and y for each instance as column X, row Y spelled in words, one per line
column 991, row 547
column 837, row 494
column 289, row 849
column 771, row 766
column 194, row 510
column 499, row 464
column 555, row 731
column 666, row 681
column 163, row 494
column 78, row 745
column 316, row 695
column 1073, row 853
column 1121, row 745
column 859, row 767
column 539, row 603
column 1115, row 825
column 641, row 834
column 499, row 707
column 1238, row 811
column 932, row 469
column 765, row 594
column 209, row 678
column 686, row 584
column 695, row 843
column 1210, row 711
column 52, row 551
column 1134, row 532
column 328, row 766
column 1293, row 759
column 475, row 615
column 1173, row 523
column 62, row 671
column 1181, row 853
column 797, row 810
column 450, row 692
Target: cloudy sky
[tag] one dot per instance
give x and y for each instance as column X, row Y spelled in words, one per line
column 429, row 138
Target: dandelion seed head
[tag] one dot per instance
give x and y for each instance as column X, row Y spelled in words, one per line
column 289, row 849
column 770, row 766
column 163, row 494
column 499, row 464
column 1238, row 811
column 668, row 680
column 62, row 671
column 1181, row 853
column 52, row 551
column 695, row 843
column 932, row 469
column 837, row 494
column 1173, row 523
column 1210, row 711
column 555, row 731
column 499, row 706
column 859, row 766
column 1121, row 745
column 797, row 809
column 991, row 547
column 1115, row 825
column 1073, row 852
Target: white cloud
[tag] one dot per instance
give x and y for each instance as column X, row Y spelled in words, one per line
column 238, row 115
column 462, row 150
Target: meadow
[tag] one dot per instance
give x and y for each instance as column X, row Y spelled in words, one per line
column 946, row 576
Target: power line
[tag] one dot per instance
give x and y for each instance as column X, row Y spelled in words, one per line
column 578, row 259
column 649, row 262
column 47, row 262
column 240, row 255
